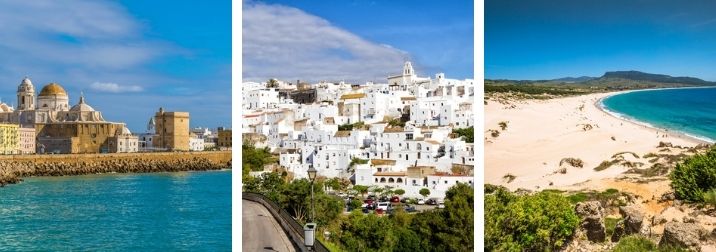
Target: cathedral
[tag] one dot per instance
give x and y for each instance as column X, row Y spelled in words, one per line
column 60, row 128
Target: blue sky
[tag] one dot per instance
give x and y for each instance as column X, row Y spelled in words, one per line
column 550, row 39
column 356, row 40
column 129, row 57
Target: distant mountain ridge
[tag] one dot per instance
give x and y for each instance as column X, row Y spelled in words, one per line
column 575, row 79
column 613, row 80
column 661, row 78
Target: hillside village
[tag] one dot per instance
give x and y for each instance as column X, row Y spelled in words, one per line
column 406, row 133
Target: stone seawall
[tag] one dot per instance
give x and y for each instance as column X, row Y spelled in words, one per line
column 14, row 167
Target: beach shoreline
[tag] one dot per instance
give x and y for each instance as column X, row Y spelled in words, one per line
column 578, row 127
column 600, row 105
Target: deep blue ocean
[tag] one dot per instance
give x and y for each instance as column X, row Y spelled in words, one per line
column 691, row 111
column 182, row 211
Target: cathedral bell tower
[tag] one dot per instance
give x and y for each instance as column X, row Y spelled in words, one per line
column 26, row 95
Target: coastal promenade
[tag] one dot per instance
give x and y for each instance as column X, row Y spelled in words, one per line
column 261, row 231
column 14, row 167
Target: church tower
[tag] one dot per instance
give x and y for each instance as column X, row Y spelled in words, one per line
column 408, row 68
column 26, row 95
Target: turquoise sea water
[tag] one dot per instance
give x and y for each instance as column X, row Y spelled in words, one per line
column 183, row 211
column 691, row 111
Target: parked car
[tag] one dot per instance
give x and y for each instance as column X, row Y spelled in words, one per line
column 404, row 200
column 369, row 203
column 440, row 206
column 395, row 199
column 410, row 209
column 431, row 202
column 366, row 210
column 383, row 206
column 421, row 202
column 384, row 198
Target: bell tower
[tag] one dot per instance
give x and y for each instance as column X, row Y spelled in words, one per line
column 26, row 95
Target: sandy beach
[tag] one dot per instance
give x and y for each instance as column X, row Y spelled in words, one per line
column 540, row 133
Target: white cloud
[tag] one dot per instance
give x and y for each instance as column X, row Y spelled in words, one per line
column 59, row 40
column 287, row 43
column 114, row 87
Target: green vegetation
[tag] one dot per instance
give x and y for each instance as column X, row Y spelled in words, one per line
column 425, row 192
column 695, row 176
column 609, row 197
column 710, row 197
column 254, row 159
column 610, row 223
column 449, row 229
column 540, row 222
column 468, row 133
column 349, row 127
column 396, row 122
column 399, row 192
column 356, row 161
column 636, row 243
column 530, row 89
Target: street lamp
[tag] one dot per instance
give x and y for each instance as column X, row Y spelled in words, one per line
column 310, row 228
column 312, row 176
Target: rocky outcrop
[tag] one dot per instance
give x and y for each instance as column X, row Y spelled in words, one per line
column 12, row 170
column 633, row 219
column 592, row 214
column 685, row 235
column 631, row 223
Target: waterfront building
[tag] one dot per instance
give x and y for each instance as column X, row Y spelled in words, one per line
column 172, row 130
column 9, row 139
column 59, row 128
column 145, row 139
column 26, row 140
column 196, row 143
column 224, row 139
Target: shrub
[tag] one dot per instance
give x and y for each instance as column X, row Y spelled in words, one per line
column 574, row 162
column 503, row 125
column 634, row 244
column 693, row 177
column 539, row 222
column 610, row 223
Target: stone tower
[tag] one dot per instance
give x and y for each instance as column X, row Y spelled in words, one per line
column 26, row 95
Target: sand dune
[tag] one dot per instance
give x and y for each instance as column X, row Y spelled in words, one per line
column 540, row 133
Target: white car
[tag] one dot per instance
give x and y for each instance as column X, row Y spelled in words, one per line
column 421, row 202
column 441, row 206
column 383, row 206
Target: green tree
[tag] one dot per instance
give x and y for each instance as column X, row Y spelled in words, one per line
column 334, row 184
column 272, row 83
column 399, row 192
column 468, row 133
column 361, row 189
column 693, row 177
column 355, row 204
column 425, row 192
column 367, row 232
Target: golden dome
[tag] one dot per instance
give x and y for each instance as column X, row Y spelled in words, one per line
column 52, row 89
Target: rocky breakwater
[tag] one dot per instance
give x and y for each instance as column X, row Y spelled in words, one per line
column 13, row 169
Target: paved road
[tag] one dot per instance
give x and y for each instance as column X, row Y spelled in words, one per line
column 260, row 231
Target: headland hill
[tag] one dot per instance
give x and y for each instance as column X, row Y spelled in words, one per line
column 44, row 136
column 557, row 136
